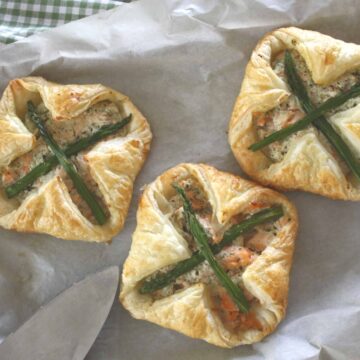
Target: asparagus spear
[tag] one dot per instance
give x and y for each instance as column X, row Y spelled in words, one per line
column 201, row 240
column 328, row 105
column 321, row 123
column 43, row 168
column 313, row 114
column 182, row 267
column 68, row 166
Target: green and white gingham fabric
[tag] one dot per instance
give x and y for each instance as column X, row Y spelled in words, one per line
column 21, row 18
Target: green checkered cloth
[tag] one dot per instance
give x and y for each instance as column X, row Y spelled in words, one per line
column 21, row 18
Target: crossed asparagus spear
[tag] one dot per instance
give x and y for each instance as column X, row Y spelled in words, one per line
column 62, row 157
column 314, row 116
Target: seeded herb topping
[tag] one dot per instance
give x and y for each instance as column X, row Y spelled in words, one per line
column 234, row 246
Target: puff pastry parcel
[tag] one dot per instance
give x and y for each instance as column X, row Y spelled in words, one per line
column 51, row 204
column 306, row 160
column 258, row 261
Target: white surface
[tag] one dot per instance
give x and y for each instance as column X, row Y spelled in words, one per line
column 182, row 63
column 67, row 327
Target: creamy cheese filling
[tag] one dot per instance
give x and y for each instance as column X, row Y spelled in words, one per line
column 65, row 133
column 290, row 111
column 234, row 258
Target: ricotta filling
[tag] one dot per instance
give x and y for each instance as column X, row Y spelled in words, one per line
column 64, row 132
column 234, row 258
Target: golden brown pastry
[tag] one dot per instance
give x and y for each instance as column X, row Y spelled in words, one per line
column 51, row 204
column 305, row 160
column 258, row 261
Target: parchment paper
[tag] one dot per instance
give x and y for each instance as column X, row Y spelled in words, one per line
column 182, row 63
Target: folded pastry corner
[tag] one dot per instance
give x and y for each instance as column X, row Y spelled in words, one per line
column 229, row 291
column 69, row 155
column 296, row 121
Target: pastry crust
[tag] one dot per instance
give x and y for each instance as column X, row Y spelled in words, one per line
column 113, row 163
column 309, row 165
column 156, row 244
